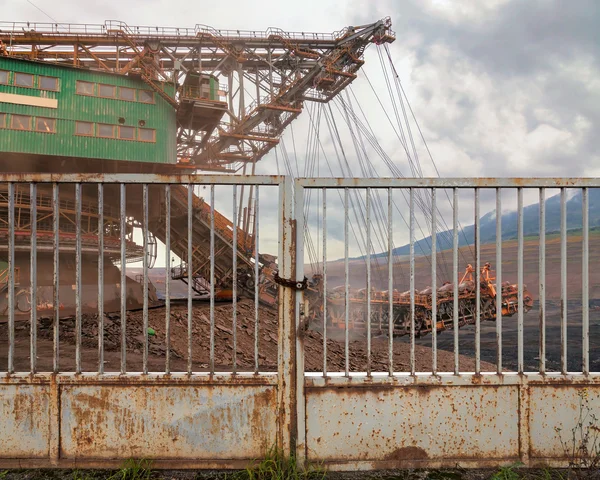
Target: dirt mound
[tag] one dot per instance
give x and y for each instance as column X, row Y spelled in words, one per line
column 224, row 352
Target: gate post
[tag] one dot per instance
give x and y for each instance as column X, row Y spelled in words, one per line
column 286, row 378
column 300, row 328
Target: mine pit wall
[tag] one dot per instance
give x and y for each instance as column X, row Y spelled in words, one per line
column 67, row 286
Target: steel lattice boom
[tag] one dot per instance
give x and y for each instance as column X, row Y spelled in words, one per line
column 264, row 77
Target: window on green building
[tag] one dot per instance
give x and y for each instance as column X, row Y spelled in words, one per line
column 3, row 77
column 2, row 120
column 146, row 96
column 23, row 80
column 84, row 128
column 46, row 125
column 84, row 88
column 49, row 83
column 146, row 135
column 127, row 94
column 107, row 91
column 126, row 133
column 106, row 131
column 20, row 122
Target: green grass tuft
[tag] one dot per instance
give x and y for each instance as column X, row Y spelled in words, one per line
column 275, row 466
column 133, row 470
column 507, row 473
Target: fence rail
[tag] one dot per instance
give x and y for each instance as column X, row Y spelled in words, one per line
column 357, row 371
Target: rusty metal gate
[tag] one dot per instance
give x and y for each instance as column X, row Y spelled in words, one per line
column 403, row 416
column 93, row 387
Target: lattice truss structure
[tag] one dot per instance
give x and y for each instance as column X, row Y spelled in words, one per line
column 262, row 78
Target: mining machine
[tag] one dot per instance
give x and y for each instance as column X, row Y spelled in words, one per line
column 232, row 93
column 398, row 304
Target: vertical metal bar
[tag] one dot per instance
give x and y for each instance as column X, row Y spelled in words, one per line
column 433, row 282
column 11, row 277
column 477, row 280
column 234, row 281
column 368, row 281
column 190, row 272
column 78, row 266
column 123, row 230
column 256, row 276
column 585, row 293
column 542, row 280
column 212, row 281
column 390, row 286
column 563, row 280
column 498, row 281
column 100, row 278
column 412, row 279
column 346, row 288
column 455, row 277
column 55, row 276
column 33, row 277
column 324, row 282
column 145, row 279
column 168, row 279
column 297, row 252
column 520, row 321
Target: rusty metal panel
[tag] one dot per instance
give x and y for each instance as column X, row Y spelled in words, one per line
column 25, row 425
column 555, row 415
column 411, row 425
column 170, row 422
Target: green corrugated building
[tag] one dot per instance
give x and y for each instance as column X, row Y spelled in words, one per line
column 71, row 119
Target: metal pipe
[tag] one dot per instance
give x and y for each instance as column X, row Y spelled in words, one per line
column 212, row 281
column 368, row 282
column 412, row 279
column 499, row 281
column 563, row 280
column 168, row 279
column 390, row 286
column 33, row 277
column 100, row 278
column 585, row 274
column 145, row 275
column 55, row 276
column 256, row 278
column 123, row 235
column 433, row 282
column 11, row 278
column 477, row 281
column 520, row 321
column 542, row 280
column 324, row 282
column 190, row 272
column 78, row 266
column 234, row 281
column 455, row 277
column 346, row 289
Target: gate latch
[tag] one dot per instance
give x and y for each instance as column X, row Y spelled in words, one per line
column 285, row 282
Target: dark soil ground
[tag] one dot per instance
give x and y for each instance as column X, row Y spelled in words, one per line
column 267, row 340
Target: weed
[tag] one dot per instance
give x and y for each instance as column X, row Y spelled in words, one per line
column 133, row 470
column 3, row 474
column 583, row 447
column 507, row 473
column 275, row 466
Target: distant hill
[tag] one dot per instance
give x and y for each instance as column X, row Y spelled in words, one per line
column 531, row 224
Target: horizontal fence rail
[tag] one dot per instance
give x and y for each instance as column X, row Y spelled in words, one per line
column 169, row 317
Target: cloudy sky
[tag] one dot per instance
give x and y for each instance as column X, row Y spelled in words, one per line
column 500, row 87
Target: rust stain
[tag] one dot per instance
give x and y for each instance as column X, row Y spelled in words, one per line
column 407, row 453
